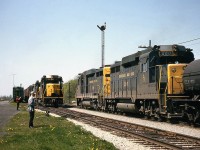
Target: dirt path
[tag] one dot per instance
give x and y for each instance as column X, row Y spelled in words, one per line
column 6, row 112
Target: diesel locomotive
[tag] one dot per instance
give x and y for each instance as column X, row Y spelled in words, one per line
column 48, row 91
column 161, row 82
column 18, row 91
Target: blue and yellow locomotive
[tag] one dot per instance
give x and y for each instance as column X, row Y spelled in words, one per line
column 149, row 82
column 49, row 90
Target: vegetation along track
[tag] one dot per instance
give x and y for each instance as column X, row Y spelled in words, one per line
column 150, row 137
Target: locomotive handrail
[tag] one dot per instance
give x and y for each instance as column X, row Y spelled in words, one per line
column 160, row 69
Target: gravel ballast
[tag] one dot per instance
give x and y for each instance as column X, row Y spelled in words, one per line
column 124, row 143
column 118, row 142
column 185, row 130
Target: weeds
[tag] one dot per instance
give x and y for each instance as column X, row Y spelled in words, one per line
column 49, row 133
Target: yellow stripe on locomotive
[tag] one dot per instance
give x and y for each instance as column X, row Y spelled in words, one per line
column 106, row 80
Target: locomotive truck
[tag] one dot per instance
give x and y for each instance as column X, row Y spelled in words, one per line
column 159, row 82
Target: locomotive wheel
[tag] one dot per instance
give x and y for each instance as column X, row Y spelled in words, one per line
column 95, row 106
column 56, row 104
column 81, row 104
column 147, row 117
column 172, row 120
column 191, row 121
column 160, row 118
column 147, row 114
column 153, row 118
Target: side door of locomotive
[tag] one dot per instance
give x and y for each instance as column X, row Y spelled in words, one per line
column 143, row 80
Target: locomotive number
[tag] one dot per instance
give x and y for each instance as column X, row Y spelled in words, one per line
column 166, row 53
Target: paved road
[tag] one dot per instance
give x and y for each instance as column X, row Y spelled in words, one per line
column 6, row 112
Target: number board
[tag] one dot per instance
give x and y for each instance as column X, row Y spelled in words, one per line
column 167, row 53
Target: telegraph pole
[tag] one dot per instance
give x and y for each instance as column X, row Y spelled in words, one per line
column 13, row 79
column 102, row 28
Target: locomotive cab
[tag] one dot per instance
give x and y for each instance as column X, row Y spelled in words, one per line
column 170, row 85
column 174, row 102
column 160, row 80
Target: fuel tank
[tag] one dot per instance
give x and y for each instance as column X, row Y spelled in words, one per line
column 126, row 107
column 86, row 103
column 191, row 78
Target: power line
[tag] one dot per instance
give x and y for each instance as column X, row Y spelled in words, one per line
column 189, row 41
column 193, row 44
column 13, row 79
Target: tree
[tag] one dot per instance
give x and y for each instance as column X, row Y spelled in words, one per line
column 69, row 90
column 5, row 97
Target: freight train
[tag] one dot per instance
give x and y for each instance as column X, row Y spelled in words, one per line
column 27, row 92
column 48, row 91
column 161, row 82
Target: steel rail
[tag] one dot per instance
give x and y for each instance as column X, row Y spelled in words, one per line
column 152, row 136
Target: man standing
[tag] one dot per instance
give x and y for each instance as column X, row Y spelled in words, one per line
column 18, row 101
column 31, row 108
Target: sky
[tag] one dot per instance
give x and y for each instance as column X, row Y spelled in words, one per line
column 60, row 37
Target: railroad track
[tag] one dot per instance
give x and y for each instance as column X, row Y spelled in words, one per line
column 150, row 137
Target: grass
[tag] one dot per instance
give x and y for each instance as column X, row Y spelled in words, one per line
column 50, row 133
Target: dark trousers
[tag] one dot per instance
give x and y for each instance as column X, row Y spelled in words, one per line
column 32, row 114
column 17, row 105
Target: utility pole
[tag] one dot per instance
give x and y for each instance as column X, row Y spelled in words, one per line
column 13, row 79
column 102, row 28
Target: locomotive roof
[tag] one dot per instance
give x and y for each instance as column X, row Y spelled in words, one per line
column 134, row 57
column 100, row 69
column 17, row 87
column 91, row 71
column 162, row 48
column 117, row 63
column 51, row 76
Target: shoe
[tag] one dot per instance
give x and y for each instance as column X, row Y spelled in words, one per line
column 31, row 127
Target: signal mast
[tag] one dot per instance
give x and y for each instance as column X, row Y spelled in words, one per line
column 102, row 28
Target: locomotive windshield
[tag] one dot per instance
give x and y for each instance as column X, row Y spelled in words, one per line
column 52, row 81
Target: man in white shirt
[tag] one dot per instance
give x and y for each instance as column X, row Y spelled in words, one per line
column 31, row 108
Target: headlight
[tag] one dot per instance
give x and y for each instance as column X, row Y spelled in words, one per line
column 173, row 70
